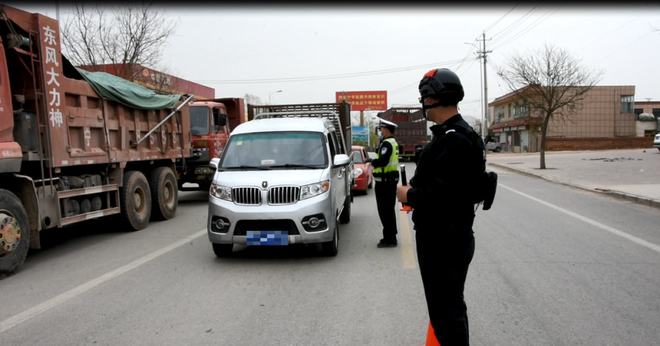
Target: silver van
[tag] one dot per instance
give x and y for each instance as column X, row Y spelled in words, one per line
column 281, row 180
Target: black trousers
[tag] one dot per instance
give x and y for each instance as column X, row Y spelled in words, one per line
column 386, row 200
column 444, row 254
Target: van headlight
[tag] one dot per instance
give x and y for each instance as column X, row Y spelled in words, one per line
column 311, row 190
column 221, row 192
column 357, row 172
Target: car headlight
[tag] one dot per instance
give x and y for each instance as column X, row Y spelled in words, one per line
column 357, row 172
column 311, row 190
column 221, row 192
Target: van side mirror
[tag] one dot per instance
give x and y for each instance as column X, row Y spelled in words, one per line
column 341, row 160
column 214, row 163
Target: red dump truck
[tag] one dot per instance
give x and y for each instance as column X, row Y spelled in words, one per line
column 211, row 121
column 411, row 133
column 67, row 154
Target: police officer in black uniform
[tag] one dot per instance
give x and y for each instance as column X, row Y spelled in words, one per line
column 442, row 196
column 386, row 175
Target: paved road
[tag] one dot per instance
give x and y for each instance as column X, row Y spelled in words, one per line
column 553, row 266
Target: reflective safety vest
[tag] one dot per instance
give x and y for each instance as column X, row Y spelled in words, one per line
column 393, row 165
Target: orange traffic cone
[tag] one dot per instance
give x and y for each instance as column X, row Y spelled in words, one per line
column 431, row 340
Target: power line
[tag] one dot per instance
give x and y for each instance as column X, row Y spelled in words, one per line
column 502, row 17
column 415, row 82
column 526, row 29
column 514, row 24
column 328, row 76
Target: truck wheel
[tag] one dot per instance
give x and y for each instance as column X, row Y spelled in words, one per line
column 345, row 216
column 331, row 248
column 164, row 193
column 222, row 250
column 135, row 199
column 14, row 232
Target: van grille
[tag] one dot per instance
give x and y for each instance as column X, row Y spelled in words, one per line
column 246, row 195
column 266, row 225
column 284, row 195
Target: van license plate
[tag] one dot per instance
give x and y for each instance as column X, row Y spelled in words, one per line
column 267, row 238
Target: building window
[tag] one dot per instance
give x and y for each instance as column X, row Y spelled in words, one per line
column 638, row 111
column 627, row 103
column 519, row 111
column 656, row 112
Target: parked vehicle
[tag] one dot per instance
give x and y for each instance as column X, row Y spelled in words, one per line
column 656, row 141
column 411, row 130
column 362, row 170
column 495, row 146
column 71, row 150
column 211, row 122
column 284, row 178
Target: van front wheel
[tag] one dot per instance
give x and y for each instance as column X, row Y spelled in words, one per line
column 223, row 250
column 331, row 248
column 345, row 216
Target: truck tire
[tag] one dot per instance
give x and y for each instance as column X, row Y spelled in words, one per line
column 14, row 232
column 331, row 248
column 345, row 216
column 222, row 250
column 164, row 193
column 135, row 199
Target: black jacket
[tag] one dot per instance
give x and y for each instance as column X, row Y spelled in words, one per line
column 447, row 174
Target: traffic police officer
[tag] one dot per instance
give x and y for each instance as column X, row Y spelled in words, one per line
column 386, row 175
column 442, row 195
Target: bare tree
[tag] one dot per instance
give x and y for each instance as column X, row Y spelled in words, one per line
column 253, row 99
column 130, row 35
column 551, row 83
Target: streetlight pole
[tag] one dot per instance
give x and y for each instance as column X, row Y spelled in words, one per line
column 271, row 94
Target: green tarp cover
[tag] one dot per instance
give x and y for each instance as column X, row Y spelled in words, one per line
column 117, row 89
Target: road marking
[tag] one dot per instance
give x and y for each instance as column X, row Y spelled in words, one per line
column 76, row 291
column 407, row 251
column 592, row 222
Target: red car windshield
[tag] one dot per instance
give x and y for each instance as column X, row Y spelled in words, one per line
column 357, row 157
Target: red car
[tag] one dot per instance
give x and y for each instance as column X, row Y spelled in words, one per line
column 363, row 178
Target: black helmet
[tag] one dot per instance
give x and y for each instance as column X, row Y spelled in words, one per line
column 443, row 85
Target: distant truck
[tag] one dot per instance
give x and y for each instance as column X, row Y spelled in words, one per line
column 411, row 131
column 211, row 122
column 71, row 153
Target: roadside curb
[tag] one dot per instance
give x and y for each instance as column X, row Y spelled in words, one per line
column 617, row 194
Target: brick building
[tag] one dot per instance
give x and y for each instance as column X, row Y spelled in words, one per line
column 647, row 114
column 604, row 119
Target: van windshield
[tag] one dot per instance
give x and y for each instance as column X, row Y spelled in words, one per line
column 275, row 150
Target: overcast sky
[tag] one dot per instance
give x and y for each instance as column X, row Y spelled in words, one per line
column 389, row 48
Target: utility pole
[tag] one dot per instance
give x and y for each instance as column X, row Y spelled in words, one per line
column 483, row 53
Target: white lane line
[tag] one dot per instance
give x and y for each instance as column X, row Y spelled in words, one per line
column 407, row 251
column 592, row 222
column 78, row 290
